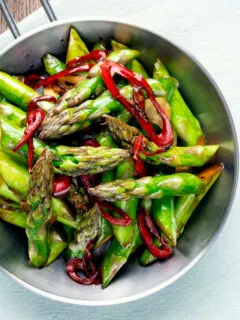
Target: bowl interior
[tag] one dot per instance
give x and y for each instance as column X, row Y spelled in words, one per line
column 206, row 103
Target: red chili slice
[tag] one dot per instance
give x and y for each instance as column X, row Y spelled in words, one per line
column 124, row 219
column 33, row 80
column 36, row 117
column 73, row 266
column 51, row 79
column 140, row 169
column 86, row 265
column 96, row 55
column 147, row 230
column 91, row 143
column 61, row 186
column 165, row 139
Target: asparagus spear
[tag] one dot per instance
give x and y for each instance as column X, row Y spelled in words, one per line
column 78, row 118
column 117, row 45
column 149, row 187
column 72, row 161
column 186, row 205
column 16, row 91
column 86, row 88
column 89, row 230
column 16, row 176
column 52, row 64
column 76, row 46
column 58, row 243
column 13, row 213
column 78, row 198
column 105, row 140
column 164, row 216
column 116, row 256
column 125, row 234
column 100, row 45
column 7, row 193
column 39, row 201
column 195, row 156
column 184, row 122
column 137, row 67
column 14, row 114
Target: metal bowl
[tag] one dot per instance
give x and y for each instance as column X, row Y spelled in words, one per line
column 207, row 103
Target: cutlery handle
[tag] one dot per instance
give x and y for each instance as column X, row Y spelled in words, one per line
column 11, row 21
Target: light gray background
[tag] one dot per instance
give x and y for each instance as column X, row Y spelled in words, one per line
column 211, row 290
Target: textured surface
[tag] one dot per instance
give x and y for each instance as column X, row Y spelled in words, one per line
column 211, row 289
column 20, row 9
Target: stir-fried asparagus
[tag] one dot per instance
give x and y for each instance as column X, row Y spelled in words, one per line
column 149, row 187
column 72, row 161
column 164, row 216
column 195, row 156
column 170, row 199
column 124, row 234
column 186, row 125
column 40, row 211
column 76, row 46
column 78, row 118
column 186, row 205
column 13, row 213
column 15, row 179
column 89, row 230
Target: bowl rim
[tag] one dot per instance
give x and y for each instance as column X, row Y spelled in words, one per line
column 234, row 186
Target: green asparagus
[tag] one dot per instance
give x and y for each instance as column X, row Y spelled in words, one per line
column 89, row 230
column 76, row 46
column 52, row 64
column 195, row 156
column 124, row 234
column 186, row 125
column 81, row 117
column 164, row 216
column 72, row 161
column 13, row 213
column 149, row 187
column 39, row 201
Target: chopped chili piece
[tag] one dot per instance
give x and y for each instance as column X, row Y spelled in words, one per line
column 124, row 219
column 51, row 79
column 147, row 231
column 33, row 80
column 96, row 55
column 35, row 117
column 61, row 186
column 86, row 265
column 140, row 169
column 165, row 139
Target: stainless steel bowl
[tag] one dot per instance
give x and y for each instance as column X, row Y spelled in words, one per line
column 207, row 103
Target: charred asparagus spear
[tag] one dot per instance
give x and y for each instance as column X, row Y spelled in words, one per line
column 149, row 187
column 72, row 161
column 195, row 156
column 39, row 201
column 89, row 230
column 74, row 119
